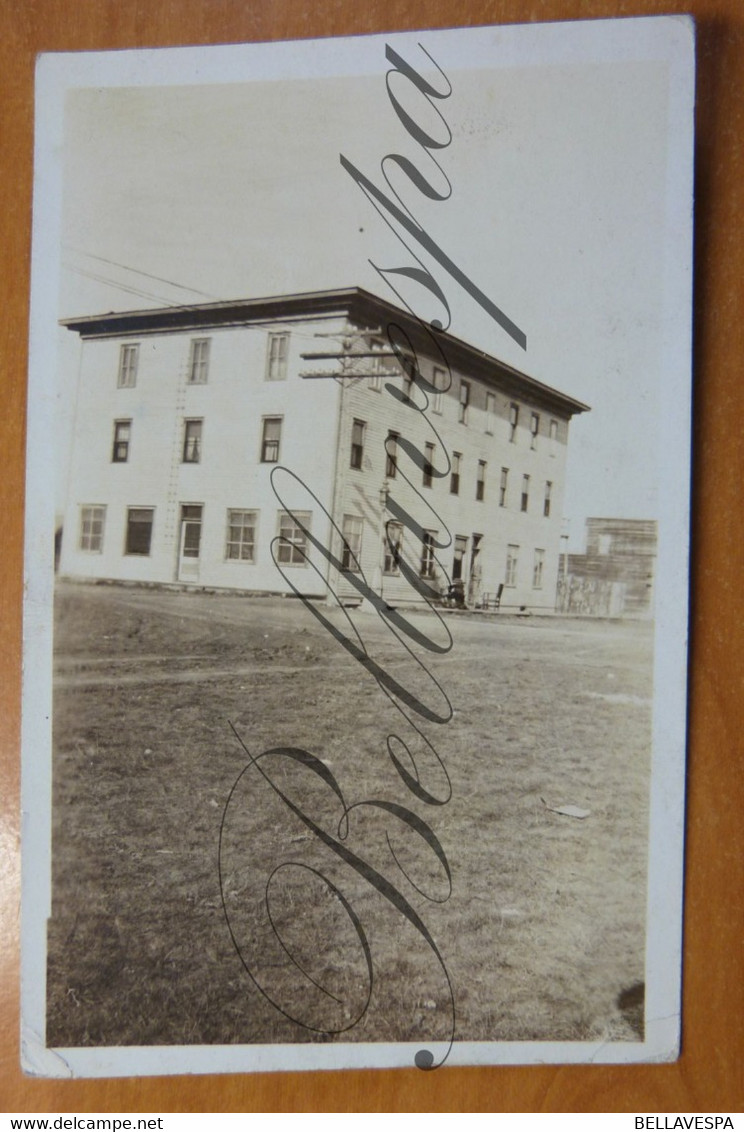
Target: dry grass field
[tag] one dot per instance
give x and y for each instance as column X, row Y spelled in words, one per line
column 534, row 919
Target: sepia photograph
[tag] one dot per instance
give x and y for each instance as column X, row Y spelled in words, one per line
column 355, row 691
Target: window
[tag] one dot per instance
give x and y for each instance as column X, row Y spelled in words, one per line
column 546, row 503
column 534, row 429
column 427, row 554
column 241, row 536
column 537, row 570
column 122, row 436
column 455, row 476
column 128, row 359
column 199, row 361
column 502, row 486
column 357, row 443
column 439, row 380
column 379, row 365
column 461, row 546
column 525, row 492
column 276, row 357
column 490, row 412
column 271, row 432
column 464, row 402
column 553, row 430
column 292, row 547
column 513, row 421
column 393, row 540
column 351, row 549
column 480, row 483
column 428, row 463
column 139, row 530
column 391, row 455
column 192, row 442
column 92, row 519
column 512, row 556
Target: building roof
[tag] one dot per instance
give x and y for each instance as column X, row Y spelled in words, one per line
column 361, row 307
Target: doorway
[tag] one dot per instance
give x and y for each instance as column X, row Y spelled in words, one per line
column 189, row 543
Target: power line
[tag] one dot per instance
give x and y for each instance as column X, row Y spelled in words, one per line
column 138, row 271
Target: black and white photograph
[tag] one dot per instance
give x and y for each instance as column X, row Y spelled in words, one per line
column 357, row 512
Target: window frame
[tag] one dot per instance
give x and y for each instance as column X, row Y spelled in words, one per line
column 480, row 483
column 267, row 442
column 534, row 429
column 120, row 447
column 524, row 505
column 538, row 568
column 129, row 530
column 513, row 421
column 191, row 450
column 392, row 550
column 90, row 535
column 503, row 486
column 547, row 498
column 198, row 364
column 455, row 466
column 126, row 377
column 490, row 413
column 428, row 559
column 292, row 545
column 391, row 457
column 356, row 455
column 464, row 402
column 241, row 542
column 512, row 564
column 428, row 468
column 276, row 367
column 352, row 532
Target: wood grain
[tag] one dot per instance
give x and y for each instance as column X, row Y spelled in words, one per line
column 708, row 1076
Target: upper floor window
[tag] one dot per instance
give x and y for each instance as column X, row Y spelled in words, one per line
column 92, row 519
column 241, row 535
column 455, row 474
column 502, row 486
column 122, row 436
column 378, row 364
column 534, row 429
column 428, row 463
column 351, row 549
column 391, row 455
column 513, row 421
column 271, row 433
column 490, row 412
column 199, row 361
column 553, row 430
column 439, row 380
column 525, row 492
column 292, row 545
column 464, row 402
column 480, row 483
column 192, row 442
column 276, row 358
column 139, row 530
column 546, row 502
column 128, row 360
column 357, row 443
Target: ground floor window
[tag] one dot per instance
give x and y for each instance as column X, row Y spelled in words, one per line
column 393, row 541
column 292, row 545
column 351, row 549
column 537, row 570
column 139, row 530
column 241, row 535
column 427, row 554
column 92, row 519
column 512, row 558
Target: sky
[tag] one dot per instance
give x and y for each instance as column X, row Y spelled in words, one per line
column 558, row 177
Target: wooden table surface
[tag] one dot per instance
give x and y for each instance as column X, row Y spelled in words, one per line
column 708, row 1077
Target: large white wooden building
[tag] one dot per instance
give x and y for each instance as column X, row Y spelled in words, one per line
column 277, row 445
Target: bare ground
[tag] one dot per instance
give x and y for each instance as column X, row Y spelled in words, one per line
column 534, row 918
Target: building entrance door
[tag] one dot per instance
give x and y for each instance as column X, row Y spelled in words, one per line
column 189, row 544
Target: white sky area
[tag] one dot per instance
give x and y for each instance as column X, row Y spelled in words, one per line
column 557, row 213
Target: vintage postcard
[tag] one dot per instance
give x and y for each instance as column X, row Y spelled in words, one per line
column 356, row 620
